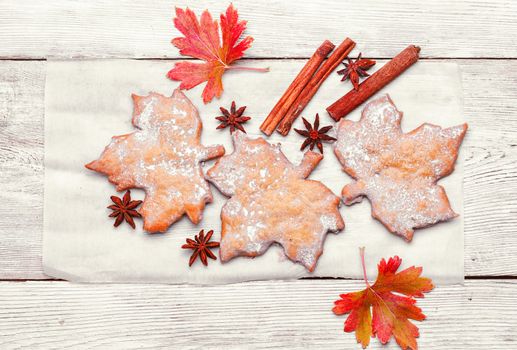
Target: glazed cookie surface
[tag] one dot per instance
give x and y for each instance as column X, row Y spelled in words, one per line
column 397, row 171
column 271, row 201
column 162, row 157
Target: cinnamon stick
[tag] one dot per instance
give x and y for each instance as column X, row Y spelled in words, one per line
column 374, row 83
column 277, row 113
column 314, row 84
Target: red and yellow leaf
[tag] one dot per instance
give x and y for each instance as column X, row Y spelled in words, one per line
column 201, row 40
column 391, row 312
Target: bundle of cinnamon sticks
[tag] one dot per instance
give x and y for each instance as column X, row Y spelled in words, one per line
column 305, row 86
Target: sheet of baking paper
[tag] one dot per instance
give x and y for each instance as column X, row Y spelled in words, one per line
column 87, row 102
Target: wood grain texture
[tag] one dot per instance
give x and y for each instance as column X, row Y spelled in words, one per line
column 128, row 28
column 268, row 314
column 259, row 315
column 21, row 168
column 490, row 184
column 490, row 172
column 294, row 314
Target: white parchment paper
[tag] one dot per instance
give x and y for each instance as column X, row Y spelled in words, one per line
column 87, row 102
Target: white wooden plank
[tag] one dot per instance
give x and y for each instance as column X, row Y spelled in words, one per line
column 128, row 28
column 490, row 171
column 490, row 181
column 21, row 168
column 259, row 315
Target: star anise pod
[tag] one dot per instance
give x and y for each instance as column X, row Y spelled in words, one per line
column 124, row 209
column 233, row 118
column 354, row 70
column 314, row 134
column 201, row 246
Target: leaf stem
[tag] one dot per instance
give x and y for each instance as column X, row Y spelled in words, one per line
column 247, row 68
column 361, row 253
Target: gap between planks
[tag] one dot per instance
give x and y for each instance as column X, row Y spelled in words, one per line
column 36, row 59
column 50, row 279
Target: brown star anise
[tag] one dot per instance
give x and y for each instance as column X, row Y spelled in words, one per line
column 314, row 135
column 201, row 246
column 124, row 209
column 354, row 70
column 233, row 118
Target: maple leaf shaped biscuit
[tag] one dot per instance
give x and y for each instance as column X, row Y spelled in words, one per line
column 271, row 201
column 398, row 171
column 162, row 157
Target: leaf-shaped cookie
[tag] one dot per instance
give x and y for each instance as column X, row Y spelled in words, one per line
column 398, row 171
column 271, row 201
column 162, row 157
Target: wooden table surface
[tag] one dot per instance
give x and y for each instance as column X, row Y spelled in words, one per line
column 37, row 312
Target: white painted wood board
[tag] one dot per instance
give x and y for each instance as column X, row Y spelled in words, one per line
column 256, row 315
column 56, row 315
column 131, row 29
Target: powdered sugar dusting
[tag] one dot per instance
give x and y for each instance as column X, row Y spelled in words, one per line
column 272, row 202
column 163, row 157
column 396, row 171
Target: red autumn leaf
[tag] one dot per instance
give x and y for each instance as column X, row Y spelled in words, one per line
column 391, row 312
column 201, row 40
